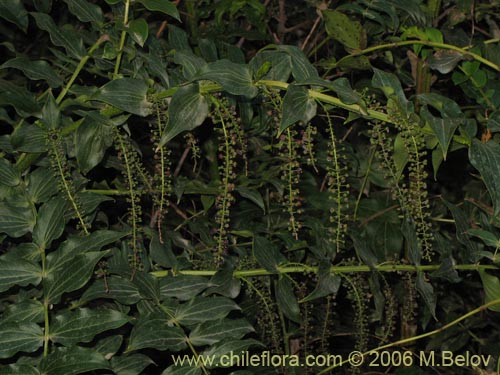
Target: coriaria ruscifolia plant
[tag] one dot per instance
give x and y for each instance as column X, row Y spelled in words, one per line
column 174, row 185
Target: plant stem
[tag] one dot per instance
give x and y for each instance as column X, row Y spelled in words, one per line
column 122, row 40
column 46, row 331
column 79, row 67
column 333, row 269
column 418, row 337
column 428, row 43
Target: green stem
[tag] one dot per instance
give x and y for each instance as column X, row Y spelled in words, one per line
column 188, row 342
column 330, row 100
column 122, row 40
column 428, row 43
column 46, row 331
column 334, row 269
column 79, row 67
column 418, row 337
column 370, row 113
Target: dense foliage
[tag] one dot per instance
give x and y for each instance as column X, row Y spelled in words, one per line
column 203, row 177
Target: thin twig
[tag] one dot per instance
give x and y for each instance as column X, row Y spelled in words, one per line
column 181, row 161
column 316, row 23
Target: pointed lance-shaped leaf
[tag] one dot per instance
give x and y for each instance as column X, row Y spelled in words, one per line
column 127, row 94
column 297, row 106
column 85, row 11
column 73, row 361
column 19, row 337
column 35, row 70
column 234, row 78
column 267, row 254
column 187, row 110
column 82, row 325
column 286, row 299
column 164, row 6
column 485, row 157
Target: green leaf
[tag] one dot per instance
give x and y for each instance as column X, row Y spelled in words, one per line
column 66, row 38
column 133, row 364
column 297, row 106
column 413, row 245
column 127, row 94
column 42, row 185
column 9, row 175
column 209, row 333
column 285, row 298
column 17, row 96
column 16, row 369
column 109, row 345
column 114, row 287
column 18, row 272
column 444, row 61
column 148, row 286
column 50, row 222
column 302, row 68
column 485, row 157
column 35, row 70
column 363, row 249
column 348, row 32
column 272, row 65
column 462, row 226
column 493, row 121
column 182, row 370
column 234, row 78
column 202, row 309
column 183, row 287
column 191, row 63
column 446, row 106
column 44, row 6
column 187, row 110
column 344, row 90
column 164, row 6
column 328, row 284
column 215, row 352
column 77, row 245
column 73, row 361
column 27, row 311
column 153, row 331
column 224, row 284
column 88, row 202
column 487, row 237
column 253, row 195
column 161, row 253
column 491, row 285
column 267, row 254
column 92, row 138
column 51, row 115
column 82, row 325
column 85, row 11
column 16, row 221
column 138, row 29
column 19, row 337
column 427, row 292
column 443, row 128
column 390, row 86
column 13, row 11
column 28, row 137
column 75, row 274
